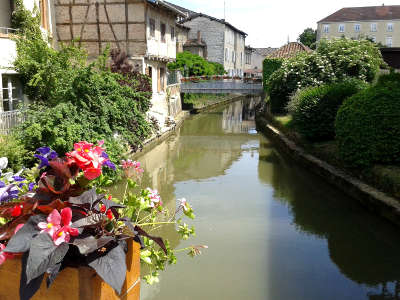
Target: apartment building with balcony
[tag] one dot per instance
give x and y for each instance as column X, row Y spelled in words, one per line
column 379, row 23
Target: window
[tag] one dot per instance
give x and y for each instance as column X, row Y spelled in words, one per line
column 248, row 59
column 152, row 27
column 172, row 33
column 12, row 92
column 163, row 30
column 326, row 28
column 341, row 28
column 226, row 54
column 161, row 80
column 233, row 56
column 389, row 41
column 241, row 58
column 390, row 27
column 373, row 27
column 357, row 27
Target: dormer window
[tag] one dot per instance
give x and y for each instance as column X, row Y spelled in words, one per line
column 326, row 28
column 373, row 27
column 341, row 28
column 357, row 27
column 390, row 27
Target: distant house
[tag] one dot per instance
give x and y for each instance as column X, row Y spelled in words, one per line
column 11, row 91
column 289, row 50
column 254, row 58
column 379, row 23
column 225, row 43
column 196, row 46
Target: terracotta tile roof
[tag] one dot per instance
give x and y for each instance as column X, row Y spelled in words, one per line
column 265, row 51
column 289, row 50
column 368, row 13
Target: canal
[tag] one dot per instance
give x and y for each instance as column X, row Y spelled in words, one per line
column 274, row 230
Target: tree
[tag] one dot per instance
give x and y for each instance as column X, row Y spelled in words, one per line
column 308, row 37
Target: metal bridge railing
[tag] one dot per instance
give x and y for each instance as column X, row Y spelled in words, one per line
column 6, row 30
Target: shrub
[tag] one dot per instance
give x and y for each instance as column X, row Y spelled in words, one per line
column 74, row 101
column 14, row 150
column 352, row 58
column 314, row 109
column 305, row 69
column 270, row 65
column 389, row 79
column 368, row 126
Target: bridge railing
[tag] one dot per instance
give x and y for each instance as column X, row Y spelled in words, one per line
column 10, row 119
column 222, row 87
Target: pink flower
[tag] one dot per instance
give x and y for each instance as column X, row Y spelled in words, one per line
column 59, row 234
column 155, row 199
column 53, row 223
column 127, row 164
column 4, row 255
column 63, row 235
column 184, row 204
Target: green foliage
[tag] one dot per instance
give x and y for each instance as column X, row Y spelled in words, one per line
column 314, row 109
column 305, row 69
column 14, row 150
column 368, row 126
column 270, row 65
column 308, row 37
column 26, row 21
column 74, row 101
column 391, row 78
column 352, row 58
column 194, row 65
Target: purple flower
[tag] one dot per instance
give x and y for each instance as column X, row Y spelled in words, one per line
column 45, row 154
column 18, row 178
column 2, row 184
column 104, row 154
column 109, row 164
column 8, row 193
column 31, row 186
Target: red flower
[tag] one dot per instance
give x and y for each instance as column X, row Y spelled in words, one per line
column 17, row 210
column 89, row 159
column 109, row 213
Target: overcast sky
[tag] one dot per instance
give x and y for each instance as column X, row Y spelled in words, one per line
column 268, row 23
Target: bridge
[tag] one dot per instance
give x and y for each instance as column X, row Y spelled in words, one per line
column 221, row 87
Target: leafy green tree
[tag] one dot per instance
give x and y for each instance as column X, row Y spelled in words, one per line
column 308, row 37
column 194, row 65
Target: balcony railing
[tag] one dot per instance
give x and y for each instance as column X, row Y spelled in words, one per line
column 6, row 30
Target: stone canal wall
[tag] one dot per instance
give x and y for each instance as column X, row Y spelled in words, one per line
column 375, row 200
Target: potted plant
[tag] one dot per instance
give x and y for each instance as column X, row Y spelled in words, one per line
column 60, row 221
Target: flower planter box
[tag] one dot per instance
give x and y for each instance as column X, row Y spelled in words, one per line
column 75, row 284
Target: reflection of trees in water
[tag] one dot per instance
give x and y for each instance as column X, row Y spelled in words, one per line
column 364, row 247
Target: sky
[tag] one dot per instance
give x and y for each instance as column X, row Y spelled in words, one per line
column 269, row 23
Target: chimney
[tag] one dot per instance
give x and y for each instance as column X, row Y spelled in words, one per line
column 199, row 36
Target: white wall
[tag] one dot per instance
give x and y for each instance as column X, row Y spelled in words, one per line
column 154, row 44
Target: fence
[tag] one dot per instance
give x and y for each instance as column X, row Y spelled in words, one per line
column 9, row 120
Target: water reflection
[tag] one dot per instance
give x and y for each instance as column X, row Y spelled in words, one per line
column 364, row 248
column 275, row 231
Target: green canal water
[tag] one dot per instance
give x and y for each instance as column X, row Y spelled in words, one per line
column 274, row 230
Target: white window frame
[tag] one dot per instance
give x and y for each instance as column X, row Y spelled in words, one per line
column 374, row 27
column 389, row 27
column 357, row 27
column 341, row 28
column 11, row 100
column 389, row 44
column 326, row 28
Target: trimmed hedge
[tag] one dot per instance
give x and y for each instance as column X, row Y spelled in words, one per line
column 368, row 125
column 270, row 65
column 314, row 109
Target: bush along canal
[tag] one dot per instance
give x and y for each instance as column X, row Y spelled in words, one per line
column 275, row 231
